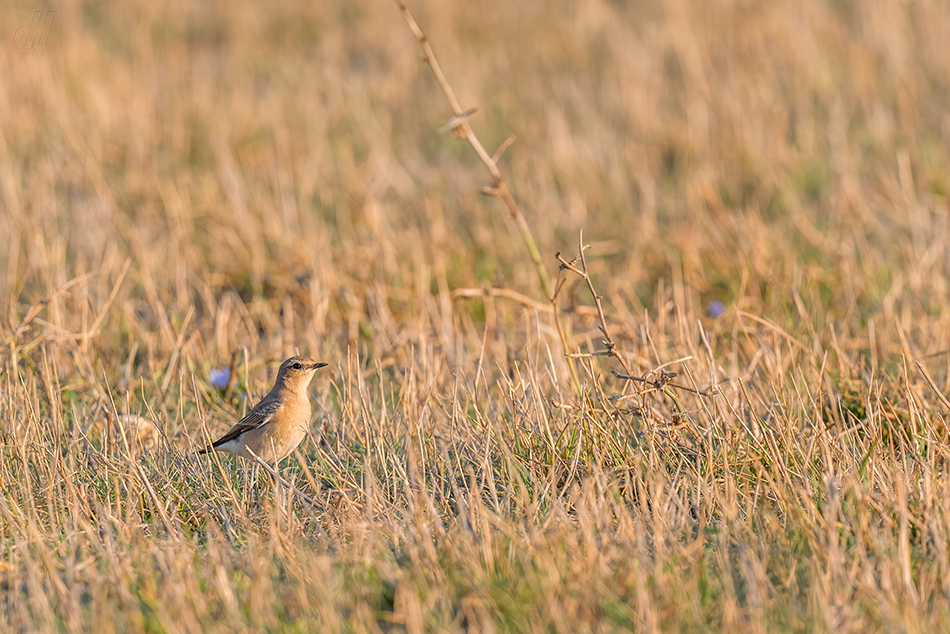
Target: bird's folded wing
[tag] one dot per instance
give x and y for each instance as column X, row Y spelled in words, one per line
column 257, row 417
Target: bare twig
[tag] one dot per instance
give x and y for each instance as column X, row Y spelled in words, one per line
column 665, row 379
column 582, row 271
column 585, row 355
column 507, row 293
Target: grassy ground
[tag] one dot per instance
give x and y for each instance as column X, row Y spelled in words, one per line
column 764, row 189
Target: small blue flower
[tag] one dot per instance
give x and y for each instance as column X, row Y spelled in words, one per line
column 715, row 308
column 220, row 377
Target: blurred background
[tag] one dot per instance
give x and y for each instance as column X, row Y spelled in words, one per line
column 274, row 175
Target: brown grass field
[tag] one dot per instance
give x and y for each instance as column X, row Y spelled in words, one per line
column 765, row 191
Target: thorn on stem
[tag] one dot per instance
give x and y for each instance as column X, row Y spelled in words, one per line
column 456, row 122
column 501, row 148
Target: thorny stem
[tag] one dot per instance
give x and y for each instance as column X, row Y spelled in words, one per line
column 609, row 344
column 611, row 347
column 463, row 130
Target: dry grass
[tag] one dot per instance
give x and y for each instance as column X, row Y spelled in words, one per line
column 187, row 186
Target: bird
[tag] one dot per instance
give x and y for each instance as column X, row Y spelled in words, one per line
column 276, row 425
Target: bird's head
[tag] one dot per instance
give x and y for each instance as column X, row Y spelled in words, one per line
column 296, row 372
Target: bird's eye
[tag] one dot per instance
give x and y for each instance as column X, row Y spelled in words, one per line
column 296, row 366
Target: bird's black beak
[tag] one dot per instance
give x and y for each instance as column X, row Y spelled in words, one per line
column 319, row 365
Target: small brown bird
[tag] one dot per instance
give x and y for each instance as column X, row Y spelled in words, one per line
column 276, row 425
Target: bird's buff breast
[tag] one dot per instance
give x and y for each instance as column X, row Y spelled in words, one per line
column 274, row 444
